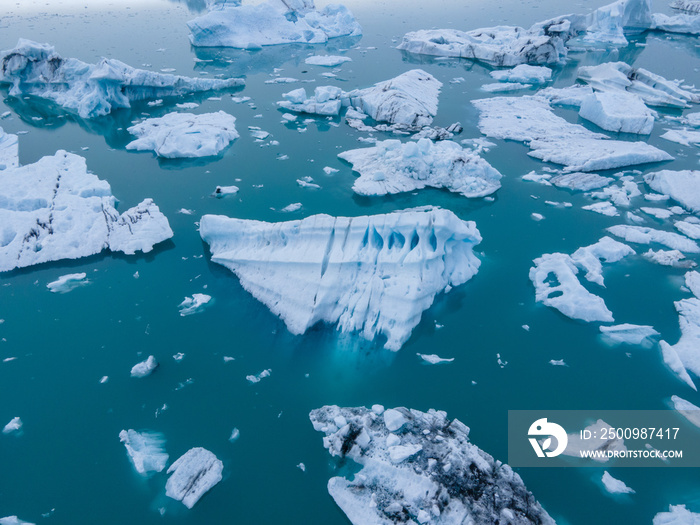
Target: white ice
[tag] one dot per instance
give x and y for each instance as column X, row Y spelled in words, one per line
column 326, row 60
column 631, row 334
column 606, row 250
column 92, row 90
column 618, row 112
column 68, row 282
column 192, row 475
column 185, row 135
column 9, row 150
column 273, row 22
column 55, row 209
column 523, row 73
column 259, row 377
column 146, row 450
column 144, row 368
column 13, row 520
column 687, row 410
column 682, row 186
column 645, row 235
column 668, row 258
column 686, row 352
column 690, row 6
column 580, row 181
column 394, row 167
column 326, row 101
column 687, row 24
column 682, row 136
column 614, row 485
column 576, row 444
column 435, row 359
column 604, row 208
column 372, row 274
column 677, row 515
column 14, row 425
column 194, row 304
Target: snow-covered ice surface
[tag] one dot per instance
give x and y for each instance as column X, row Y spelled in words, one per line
column 392, row 167
column 618, row 112
column 326, row 60
column 630, row 334
column 590, row 258
column 326, row 101
column 192, row 475
column 677, row 515
column 68, row 282
column 15, row 425
column 687, row 410
column 145, row 449
column 273, row 22
column 421, row 468
column 9, row 150
column 614, row 485
column 185, row 135
column 523, row 73
column 144, row 368
column 682, row 136
column 194, row 304
column 13, row 520
column 92, row 90
column 372, row 274
column 690, row 6
column 682, row 186
column 645, row 235
column 551, row 138
column 682, row 23
column 55, row 209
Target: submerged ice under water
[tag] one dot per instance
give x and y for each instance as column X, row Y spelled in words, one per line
column 67, row 359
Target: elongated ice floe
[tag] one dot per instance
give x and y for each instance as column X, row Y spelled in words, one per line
column 682, row 136
column 393, row 167
column 653, row 89
column 686, row 24
column 9, row 150
column 590, row 258
column 682, row 186
column 15, row 425
column 185, row 135
column 326, row 60
column 524, row 73
column 576, row 444
column 423, row 471
column 144, row 368
column 676, row 515
column 54, row 209
column 91, row 90
column 194, row 304
column 614, row 485
column 688, row 410
column 530, row 119
column 631, row 334
column 271, row 23
column 192, row 475
column 684, row 356
column 145, row 449
column 372, row 274
column 618, row 112
column 645, row 235
column 434, row 359
column 67, row 282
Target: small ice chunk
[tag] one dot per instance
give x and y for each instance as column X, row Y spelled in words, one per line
column 537, row 216
column 435, row 359
column 659, row 213
column 68, row 282
column 676, row 515
column 394, row 420
column 220, row 191
column 146, row 450
column 295, row 206
column 329, row 171
column 557, row 362
column 630, row 334
column 13, row 426
column 499, row 87
column 194, row 304
column 235, row 434
column 399, row 453
column 257, row 378
column 687, row 410
column 192, row 475
column 682, row 136
column 615, row 486
column 308, row 182
column 144, row 368
column 577, row 444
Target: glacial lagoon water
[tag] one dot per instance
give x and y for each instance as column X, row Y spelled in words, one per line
column 68, row 465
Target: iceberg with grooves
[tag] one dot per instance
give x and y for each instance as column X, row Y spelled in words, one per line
column 425, row 470
column 618, row 112
column 682, row 186
column 192, row 475
column 270, row 23
column 145, row 450
column 91, row 90
column 392, row 167
column 373, row 274
column 690, row 6
column 54, row 209
column 530, row 119
column 9, row 150
column 185, row 135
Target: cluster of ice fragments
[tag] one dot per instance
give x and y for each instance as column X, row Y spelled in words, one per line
column 373, row 274
column 55, row 209
column 394, row 167
column 178, row 135
column 91, row 90
column 420, row 467
column 252, row 26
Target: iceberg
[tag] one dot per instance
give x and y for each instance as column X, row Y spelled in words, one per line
column 552, row 139
column 185, row 135
column 618, row 112
column 524, row 74
column 192, row 475
column 644, row 235
column 54, row 209
column 653, row 89
column 68, row 282
column 631, row 334
column 92, row 90
column 326, row 60
column 271, row 23
column 668, row 258
column 690, row 6
column 685, row 354
column 426, row 472
column 326, row 101
column 681, row 186
column 194, row 304
column 614, row 485
column 145, row 450
column 15, row 425
column 580, row 181
column 685, row 24
column 676, row 515
column 372, row 274
column 609, row 24
column 682, row 136
column 144, row 368
column 9, row 150
column 687, row 410
column 392, row 167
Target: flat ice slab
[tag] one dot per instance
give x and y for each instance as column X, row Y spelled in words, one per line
column 644, row 235
column 372, row 274
column 270, row 23
column 194, row 304
column 394, row 167
column 682, row 186
column 326, row 101
column 676, row 515
column 523, row 73
column 192, row 475
column 618, row 112
column 68, row 282
column 326, row 60
column 54, row 209
column 91, row 90
column 688, row 410
column 414, row 463
column 145, row 449
column 614, row 485
column 185, row 135
column 631, row 334
column 9, row 150
column 684, row 356
column 15, row 425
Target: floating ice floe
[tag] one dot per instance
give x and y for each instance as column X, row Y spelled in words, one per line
column 259, row 377
column 15, row 425
column 434, row 359
column 606, row 250
column 9, row 150
column 658, row 213
column 327, row 60
column 426, row 472
column 580, row 181
column 631, row 334
column 373, row 274
column 185, row 135
column 673, row 258
column 682, row 136
column 145, row 450
column 614, row 485
column 684, row 23
column 91, row 90
column 690, row 6
column 676, row 515
column 618, row 112
column 654, row 90
column 552, row 139
column 144, row 368
column 194, row 304
column 568, row 96
column 687, row 410
column 392, row 167
column 524, row 73
column 681, row 186
column 222, row 191
column 645, row 235
column 500, row 87
column 684, row 356
column 54, row 209
column 13, row 520
column 270, row 23
column 68, row 282
column 192, row 475
column 326, row 101
column 604, row 208
column 620, row 195
column 289, row 208
column 576, row 444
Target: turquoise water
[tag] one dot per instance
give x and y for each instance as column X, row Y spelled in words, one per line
column 69, row 463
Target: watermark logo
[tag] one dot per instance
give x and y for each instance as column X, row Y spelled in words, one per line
column 541, row 428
